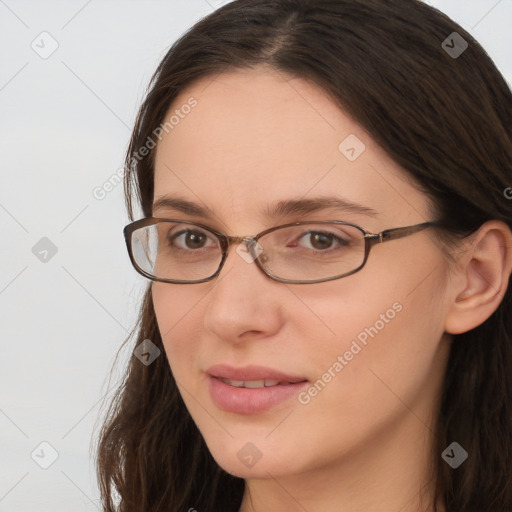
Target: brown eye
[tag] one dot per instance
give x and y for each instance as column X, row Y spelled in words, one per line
column 322, row 241
column 189, row 240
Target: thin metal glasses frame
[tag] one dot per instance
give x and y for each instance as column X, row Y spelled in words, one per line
column 226, row 241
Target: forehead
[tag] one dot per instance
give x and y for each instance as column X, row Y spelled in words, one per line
column 245, row 139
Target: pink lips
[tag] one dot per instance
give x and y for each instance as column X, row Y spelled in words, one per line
column 245, row 400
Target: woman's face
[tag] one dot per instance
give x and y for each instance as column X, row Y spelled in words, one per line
column 368, row 348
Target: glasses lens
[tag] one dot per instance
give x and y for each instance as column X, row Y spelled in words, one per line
column 307, row 252
column 312, row 251
column 176, row 251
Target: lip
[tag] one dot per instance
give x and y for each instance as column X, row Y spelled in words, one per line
column 251, row 373
column 251, row 400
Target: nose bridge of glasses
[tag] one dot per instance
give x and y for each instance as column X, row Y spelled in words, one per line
column 251, row 243
column 247, row 240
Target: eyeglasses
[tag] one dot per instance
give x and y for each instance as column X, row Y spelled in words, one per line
column 183, row 252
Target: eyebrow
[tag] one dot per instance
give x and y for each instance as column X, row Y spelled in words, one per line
column 279, row 209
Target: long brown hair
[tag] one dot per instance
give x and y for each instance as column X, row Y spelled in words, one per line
column 446, row 119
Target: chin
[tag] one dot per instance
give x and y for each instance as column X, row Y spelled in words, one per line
column 252, row 459
column 260, row 470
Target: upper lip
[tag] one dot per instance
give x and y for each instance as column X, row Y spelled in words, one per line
column 251, row 372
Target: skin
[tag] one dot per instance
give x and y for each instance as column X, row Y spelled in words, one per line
column 363, row 443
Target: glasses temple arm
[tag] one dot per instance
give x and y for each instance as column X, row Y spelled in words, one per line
column 395, row 233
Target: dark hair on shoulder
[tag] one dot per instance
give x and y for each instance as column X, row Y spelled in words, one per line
column 447, row 121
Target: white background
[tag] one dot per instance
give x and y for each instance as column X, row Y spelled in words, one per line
column 65, row 123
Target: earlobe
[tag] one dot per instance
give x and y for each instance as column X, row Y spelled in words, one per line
column 484, row 272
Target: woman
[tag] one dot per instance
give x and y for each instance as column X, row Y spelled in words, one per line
column 359, row 356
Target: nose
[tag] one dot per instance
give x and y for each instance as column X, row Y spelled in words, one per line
column 244, row 303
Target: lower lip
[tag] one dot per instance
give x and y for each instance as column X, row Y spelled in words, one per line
column 251, row 400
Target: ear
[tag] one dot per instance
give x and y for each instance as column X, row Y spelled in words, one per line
column 481, row 277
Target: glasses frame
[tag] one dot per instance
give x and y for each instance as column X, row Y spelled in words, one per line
column 226, row 241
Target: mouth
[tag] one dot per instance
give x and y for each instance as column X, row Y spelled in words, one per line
column 255, row 384
column 251, row 389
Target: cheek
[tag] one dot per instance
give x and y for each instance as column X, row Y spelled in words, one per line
column 382, row 351
column 178, row 312
column 346, row 331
